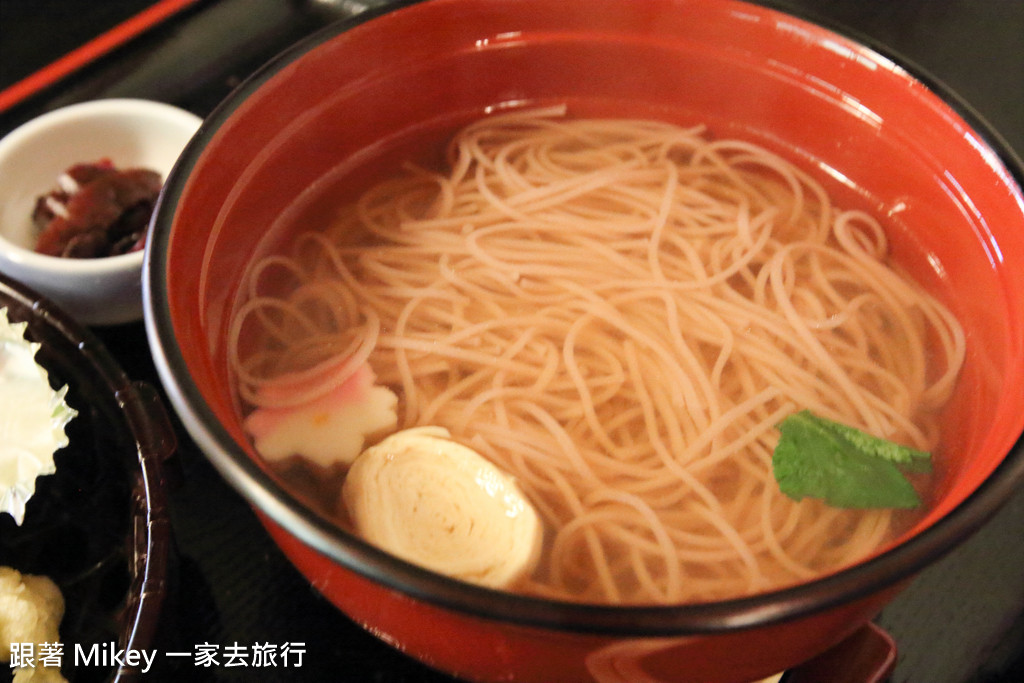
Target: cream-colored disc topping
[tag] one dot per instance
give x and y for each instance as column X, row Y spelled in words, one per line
column 441, row 505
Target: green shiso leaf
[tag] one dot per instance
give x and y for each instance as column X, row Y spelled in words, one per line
column 906, row 458
column 844, row 466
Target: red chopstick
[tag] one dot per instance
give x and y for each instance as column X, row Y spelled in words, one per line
column 95, row 48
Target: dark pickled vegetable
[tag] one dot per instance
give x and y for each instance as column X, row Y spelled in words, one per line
column 96, row 210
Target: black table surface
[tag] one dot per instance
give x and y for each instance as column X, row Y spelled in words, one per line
column 961, row 620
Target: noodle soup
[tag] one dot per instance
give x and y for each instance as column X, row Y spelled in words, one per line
column 618, row 314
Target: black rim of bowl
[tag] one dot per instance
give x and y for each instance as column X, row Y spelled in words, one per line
column 285, row 510
column 149, row 532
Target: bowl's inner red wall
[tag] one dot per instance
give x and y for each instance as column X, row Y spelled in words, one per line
column 878, row 139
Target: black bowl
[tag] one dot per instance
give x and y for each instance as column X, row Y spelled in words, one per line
column 99, row 526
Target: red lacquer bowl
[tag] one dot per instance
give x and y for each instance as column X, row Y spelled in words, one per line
column 883, row 138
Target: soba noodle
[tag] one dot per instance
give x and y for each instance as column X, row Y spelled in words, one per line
column 618, row 313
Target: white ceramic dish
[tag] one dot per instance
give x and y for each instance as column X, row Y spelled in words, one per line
column 129, row 132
